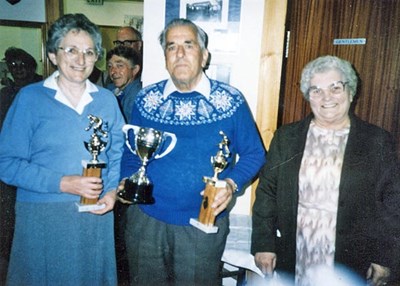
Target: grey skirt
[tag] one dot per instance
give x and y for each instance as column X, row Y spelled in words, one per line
column 54, row 244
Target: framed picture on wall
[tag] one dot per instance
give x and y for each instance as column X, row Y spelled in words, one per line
column 220, row 19
column 134, row 21
column 27, row 11
column 205, row 11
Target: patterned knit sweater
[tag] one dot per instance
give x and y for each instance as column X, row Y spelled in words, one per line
column 196, row 120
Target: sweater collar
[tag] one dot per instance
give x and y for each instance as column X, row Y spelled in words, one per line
column 203, row 87
column 51, row 82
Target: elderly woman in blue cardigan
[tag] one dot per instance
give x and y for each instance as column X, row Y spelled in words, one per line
column 41, row 152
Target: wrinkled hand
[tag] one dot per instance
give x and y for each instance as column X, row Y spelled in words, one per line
column 108, row 200
column 222, row 198
column 266, row 261
column 87, row 187
column 378, row 275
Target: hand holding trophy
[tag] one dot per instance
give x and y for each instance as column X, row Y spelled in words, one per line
column 93, row 167
column 206, row 219
column 148, row 141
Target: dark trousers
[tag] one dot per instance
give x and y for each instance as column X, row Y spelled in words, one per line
column 120, row 246
column 165, row 254
column 7, row 222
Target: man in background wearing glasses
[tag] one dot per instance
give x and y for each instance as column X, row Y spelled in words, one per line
column 129, row 37
column 126, row 36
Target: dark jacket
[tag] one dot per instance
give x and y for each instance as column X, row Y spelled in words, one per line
column 370, row 152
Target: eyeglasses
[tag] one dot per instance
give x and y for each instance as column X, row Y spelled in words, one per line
column 17, row 64
column 126, row 43
column 73, row 53
column 336, row 88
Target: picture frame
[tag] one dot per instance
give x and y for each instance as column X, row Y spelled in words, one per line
column 18, row 11
column 220, row 19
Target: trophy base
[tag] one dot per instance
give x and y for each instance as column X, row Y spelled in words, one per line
column 88, row 208
column 205, row 228
column 134, row 193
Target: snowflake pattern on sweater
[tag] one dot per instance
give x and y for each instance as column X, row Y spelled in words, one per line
column 189, row 108
column 195, row 117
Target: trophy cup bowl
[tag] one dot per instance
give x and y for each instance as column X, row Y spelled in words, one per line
column 138, row 189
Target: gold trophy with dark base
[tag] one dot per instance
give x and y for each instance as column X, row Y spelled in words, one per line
column 206, row 219
column 93, row 167
column 138, row 188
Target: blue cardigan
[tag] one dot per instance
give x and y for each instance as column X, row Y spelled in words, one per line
column 42, row 140
column 196, row 120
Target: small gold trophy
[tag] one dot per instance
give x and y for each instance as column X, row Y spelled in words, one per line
column 93, row 167
column 206, row 219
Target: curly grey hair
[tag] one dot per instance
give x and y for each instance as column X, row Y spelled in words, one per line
column 70, row 22
column 324, row 64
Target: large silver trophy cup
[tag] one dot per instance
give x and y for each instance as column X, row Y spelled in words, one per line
column 148, row 142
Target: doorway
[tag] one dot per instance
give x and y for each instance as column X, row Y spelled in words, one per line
column 340, row 27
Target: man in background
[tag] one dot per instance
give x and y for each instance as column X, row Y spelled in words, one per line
column 124, row 79
column 124, row 66
column 129, row 37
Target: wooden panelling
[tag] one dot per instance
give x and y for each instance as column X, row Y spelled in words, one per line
column 314, row 24
column 270, row 71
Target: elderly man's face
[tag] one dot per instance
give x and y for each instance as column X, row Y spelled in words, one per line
column 128, row 38
column 184, row 58
column 121, row 71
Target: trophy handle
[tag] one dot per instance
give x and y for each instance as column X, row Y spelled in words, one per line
column 126, row 129
column 170, row 147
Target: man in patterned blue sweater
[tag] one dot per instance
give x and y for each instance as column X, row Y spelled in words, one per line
column 163, row 248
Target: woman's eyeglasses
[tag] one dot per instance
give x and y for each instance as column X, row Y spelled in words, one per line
column 336, row 88
column 73, row 53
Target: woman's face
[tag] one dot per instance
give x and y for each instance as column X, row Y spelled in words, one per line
column 75, row 57
column 330, row 99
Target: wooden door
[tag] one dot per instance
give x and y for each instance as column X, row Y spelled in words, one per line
column 315, row 24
